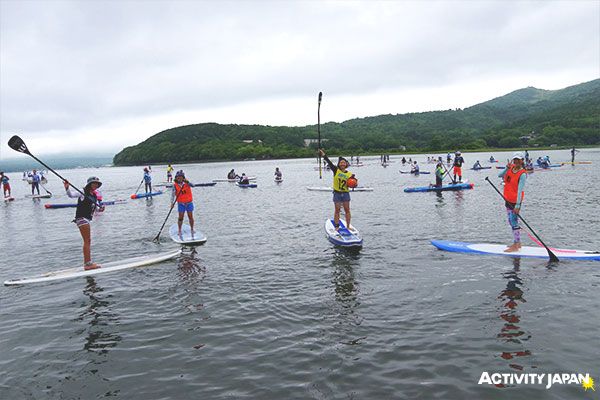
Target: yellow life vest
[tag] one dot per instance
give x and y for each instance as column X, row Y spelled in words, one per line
column 340, row 180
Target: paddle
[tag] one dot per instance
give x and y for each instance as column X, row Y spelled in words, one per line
column 140, row 185
column 448, row 174
column 157, row 238
column 319, row 133
column 553, row 258
column 17, row 144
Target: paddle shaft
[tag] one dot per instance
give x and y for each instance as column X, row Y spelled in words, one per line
column 319, row 134
column 54, row 172
column 552, row 256
column 157, row 238
column 140, row 185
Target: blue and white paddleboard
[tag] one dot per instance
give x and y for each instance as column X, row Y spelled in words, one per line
column 343, row 237
column 105, row 268
column 187, row 238
column 141, row 195
column 247, row 185
column 330, row 190
column 498, row 250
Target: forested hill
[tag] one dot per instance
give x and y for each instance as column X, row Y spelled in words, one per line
column 528, row 116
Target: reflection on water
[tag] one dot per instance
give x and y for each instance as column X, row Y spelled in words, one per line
column 189, row 267
column 511, row 332
column 346, row 293
column 99, row 339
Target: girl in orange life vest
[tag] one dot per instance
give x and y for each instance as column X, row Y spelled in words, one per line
column 182, row 191
column 514, row 176
column 341, row 192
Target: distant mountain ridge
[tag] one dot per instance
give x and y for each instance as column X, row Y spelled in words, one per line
column 528, row 116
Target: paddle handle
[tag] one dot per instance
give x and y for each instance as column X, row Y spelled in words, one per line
column 319, row 134
column 552, row 256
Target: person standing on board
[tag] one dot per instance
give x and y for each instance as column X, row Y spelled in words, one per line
column 448, row 158
column 341, row 192
column 439, row 173
column 573, row 151
column 458, row 162
column 147, row 181
column 86, row 206
column 182, row 192
column 169, row 173
column 514, row 176
column 35, row 182
column 5, row 185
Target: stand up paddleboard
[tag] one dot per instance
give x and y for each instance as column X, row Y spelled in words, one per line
column 170, row 185
column 525, row 251
column 250, row 178
column 105, row 268
column 142, row 195
column 10, row 198
column 186, row 238
column 458, row 186
column 329, row 189
column 72, row 205
column 477, row 169
column 343, row 237
column 415, row 173
column 246, row 185
column 278, row 180
column 39, row 196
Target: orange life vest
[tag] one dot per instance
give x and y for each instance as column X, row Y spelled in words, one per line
column 183, row 192
column 511, row 185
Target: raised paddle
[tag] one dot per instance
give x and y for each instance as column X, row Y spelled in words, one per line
column 17, row 144
column 553, row 258
column 319, row 133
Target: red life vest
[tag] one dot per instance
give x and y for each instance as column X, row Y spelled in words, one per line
column 183, row 193
column 511, row 185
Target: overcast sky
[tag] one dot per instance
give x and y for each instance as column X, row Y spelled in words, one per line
column 96, row 76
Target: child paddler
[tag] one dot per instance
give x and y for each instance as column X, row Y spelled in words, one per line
column 86, row 205
column 182, row 191
column 341, row 192
column 514, row 176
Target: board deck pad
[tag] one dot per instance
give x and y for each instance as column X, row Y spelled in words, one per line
column 526, row 251
column 343, row 237
column 186, row 237
column 105, row 268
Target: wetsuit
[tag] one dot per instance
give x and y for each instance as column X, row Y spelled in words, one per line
column 86, row 205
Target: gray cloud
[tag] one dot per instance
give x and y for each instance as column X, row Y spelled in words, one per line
column 74, row 65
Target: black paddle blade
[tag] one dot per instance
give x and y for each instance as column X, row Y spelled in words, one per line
column 320, row 97
column 17, row 144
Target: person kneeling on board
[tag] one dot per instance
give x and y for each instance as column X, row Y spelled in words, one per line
column 232, row 175
column 244, row 180
column 182, row 192
column 341, row 191
column 278, row 174
column 414, row 169
column 477, row 165
column 514, row 177
column 86, row 205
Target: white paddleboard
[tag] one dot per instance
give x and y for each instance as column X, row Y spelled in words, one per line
column 7, row 199
column 250, row 178
column 105, row 268
column 343, row 237
column 40, row 196
column 525, row 251
column 328, row 189
column 186, row 238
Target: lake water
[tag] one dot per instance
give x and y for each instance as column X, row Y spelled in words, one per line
column 269, row 309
